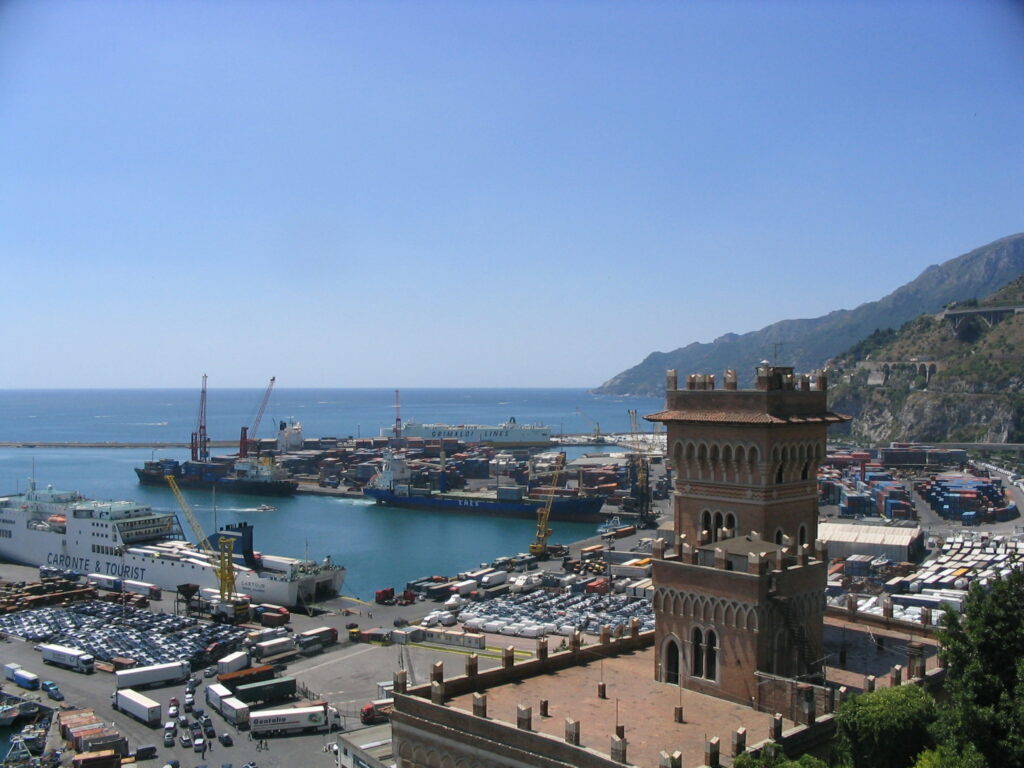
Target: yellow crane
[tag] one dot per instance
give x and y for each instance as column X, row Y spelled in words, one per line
column 223, row 564
column 539, row 547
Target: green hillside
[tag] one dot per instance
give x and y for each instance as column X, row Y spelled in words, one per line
column 976, row 392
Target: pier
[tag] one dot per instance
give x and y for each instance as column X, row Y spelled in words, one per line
column 110, row 444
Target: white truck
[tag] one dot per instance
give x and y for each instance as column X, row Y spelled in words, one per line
column 69, row 658
column 320, row 718
column 235, row 711
column 494, row 579
column 273, row 647
column 216, row 693
column 233, row 662
column 10, row 669
column 156, row 674
column 142, row 708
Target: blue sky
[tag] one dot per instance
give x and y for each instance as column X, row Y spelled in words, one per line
column 418, row 194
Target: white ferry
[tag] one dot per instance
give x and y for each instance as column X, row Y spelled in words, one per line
column 128, row 540
column 508, row 434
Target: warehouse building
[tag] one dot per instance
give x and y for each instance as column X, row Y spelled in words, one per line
column 899, row 543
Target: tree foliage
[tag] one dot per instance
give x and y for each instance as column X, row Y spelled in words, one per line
column 773, row 757
column 983, row 649
column 888, row 728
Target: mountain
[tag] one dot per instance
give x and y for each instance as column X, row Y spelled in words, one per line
column 935, row 381
column 809, row 343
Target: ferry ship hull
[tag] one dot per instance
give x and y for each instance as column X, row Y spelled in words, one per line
column 507, row 435
column 579, row 509
column 72, row 533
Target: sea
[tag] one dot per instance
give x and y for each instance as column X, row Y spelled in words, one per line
column 380, row 546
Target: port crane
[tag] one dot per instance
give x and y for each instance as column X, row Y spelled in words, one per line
column 228, row 610
column 596, row 434
column 539, row 547
column 200, row 441
column 641, row 491
column 248, row 437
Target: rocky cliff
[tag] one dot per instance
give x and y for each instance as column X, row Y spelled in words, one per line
column 809, row 343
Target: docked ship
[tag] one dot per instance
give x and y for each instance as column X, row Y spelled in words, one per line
column 129, row 540
column 508, row 435
column 257, row 477
column 392, row 486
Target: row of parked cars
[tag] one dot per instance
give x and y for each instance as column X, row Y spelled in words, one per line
column 108, row 631
column 544, row 613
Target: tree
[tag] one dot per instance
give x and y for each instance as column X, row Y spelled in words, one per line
column 772, row 756
column 888, row 728
column 983, row 649
column 949, row 757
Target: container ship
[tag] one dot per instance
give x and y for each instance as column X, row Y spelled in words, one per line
column 128, row 540
column 508, row 435
column 257, row 477
column 392, row 487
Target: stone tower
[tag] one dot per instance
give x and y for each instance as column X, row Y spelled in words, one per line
column 740, row 589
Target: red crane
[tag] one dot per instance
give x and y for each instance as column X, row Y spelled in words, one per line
column 248, row 437
column 200, row 442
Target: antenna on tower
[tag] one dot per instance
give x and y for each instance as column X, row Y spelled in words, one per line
column 398, row 414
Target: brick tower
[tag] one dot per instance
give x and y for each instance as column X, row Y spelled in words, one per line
column 740, row 589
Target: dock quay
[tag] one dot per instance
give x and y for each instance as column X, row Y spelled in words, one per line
column 110, row 444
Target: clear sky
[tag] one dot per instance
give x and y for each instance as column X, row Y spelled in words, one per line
column 414, row 194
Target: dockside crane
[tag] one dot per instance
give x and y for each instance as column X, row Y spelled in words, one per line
column 200, row 441
column 641, row 491
column 539, row 547
column 248, row 438
column 596, row 434
column 228, row 610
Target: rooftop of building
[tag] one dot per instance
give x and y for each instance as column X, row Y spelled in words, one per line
column 633, row 699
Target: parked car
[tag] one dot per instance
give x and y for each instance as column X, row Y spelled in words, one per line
column 226, row 740
column 186, row 740
column 199, row 745
column 52, row 690
column 168, row 738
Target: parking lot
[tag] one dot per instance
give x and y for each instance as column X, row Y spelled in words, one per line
column 346, row 675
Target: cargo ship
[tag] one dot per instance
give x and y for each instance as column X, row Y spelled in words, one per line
column 392, row 487
column 129, row 540
column 256, row 477
column 508, row 435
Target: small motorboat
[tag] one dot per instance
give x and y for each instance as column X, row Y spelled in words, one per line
column 265, row 508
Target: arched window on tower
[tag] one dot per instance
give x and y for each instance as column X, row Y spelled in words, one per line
column 803, row 535
column 672, row 662
column 730, row 523
column 705, row 522
column 711, row 655
column 778, row 537
column 806, row 471
column 697, row 653
column 718, row 526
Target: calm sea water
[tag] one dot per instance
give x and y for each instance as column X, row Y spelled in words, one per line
column 380, row 546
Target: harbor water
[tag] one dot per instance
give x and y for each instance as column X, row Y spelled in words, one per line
column 380, row 546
